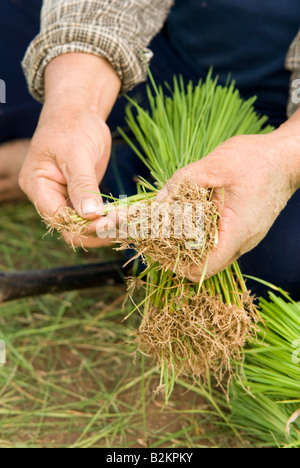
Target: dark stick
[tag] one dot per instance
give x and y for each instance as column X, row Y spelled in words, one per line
column 17, row 285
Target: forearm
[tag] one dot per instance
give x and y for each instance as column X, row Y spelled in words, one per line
column 80, row 79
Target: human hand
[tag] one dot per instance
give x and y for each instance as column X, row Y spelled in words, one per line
column 70, row 149
column 66, row 161
column 253, row 177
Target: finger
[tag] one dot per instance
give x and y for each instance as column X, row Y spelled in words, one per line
column 198, row 172
column 47, row 196
column 43, row 183
column 226, row 252
column 214, row 267
column 103, row 224
column 83, row 188
column 98, row 233
column 87, row 241
column 162, row 194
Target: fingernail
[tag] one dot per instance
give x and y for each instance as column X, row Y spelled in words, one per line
column 89, row 206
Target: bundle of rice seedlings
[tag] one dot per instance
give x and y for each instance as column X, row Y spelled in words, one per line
column 265, row 399
column 187, row 328
column 184, row 124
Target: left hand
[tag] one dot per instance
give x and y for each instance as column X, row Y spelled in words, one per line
column 256, row 174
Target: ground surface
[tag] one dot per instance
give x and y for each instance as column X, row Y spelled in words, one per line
column 71, row 379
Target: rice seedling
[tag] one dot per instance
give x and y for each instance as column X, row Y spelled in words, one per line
column 262, row 407
column 265, row 399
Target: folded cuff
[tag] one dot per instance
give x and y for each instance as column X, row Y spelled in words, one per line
column 127, row 59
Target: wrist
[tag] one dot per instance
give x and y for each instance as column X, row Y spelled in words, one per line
column 79, row 80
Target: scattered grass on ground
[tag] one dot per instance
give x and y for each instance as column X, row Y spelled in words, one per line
column 71, row 378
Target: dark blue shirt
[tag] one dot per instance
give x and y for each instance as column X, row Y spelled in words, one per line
column 249, row 38
column 19, row 23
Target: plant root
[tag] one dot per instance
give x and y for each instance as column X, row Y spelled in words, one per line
column 178, row 233
column 66, row 220
column 194, row 335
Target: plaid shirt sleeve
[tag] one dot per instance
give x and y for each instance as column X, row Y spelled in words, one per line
column 119, row 30
column 292, row 63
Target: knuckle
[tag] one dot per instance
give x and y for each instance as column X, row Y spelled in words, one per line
column 180, row 174
column 81, row 181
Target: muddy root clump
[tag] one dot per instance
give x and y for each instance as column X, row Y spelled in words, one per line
column 179, row 232
column 193, row 336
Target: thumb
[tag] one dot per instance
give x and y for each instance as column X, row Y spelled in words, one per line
column 206, row 174
column 195, row 172
column 162, row 194
column 83, row 188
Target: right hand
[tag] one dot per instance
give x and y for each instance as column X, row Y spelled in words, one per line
column 70, row 149
column 66, row 161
